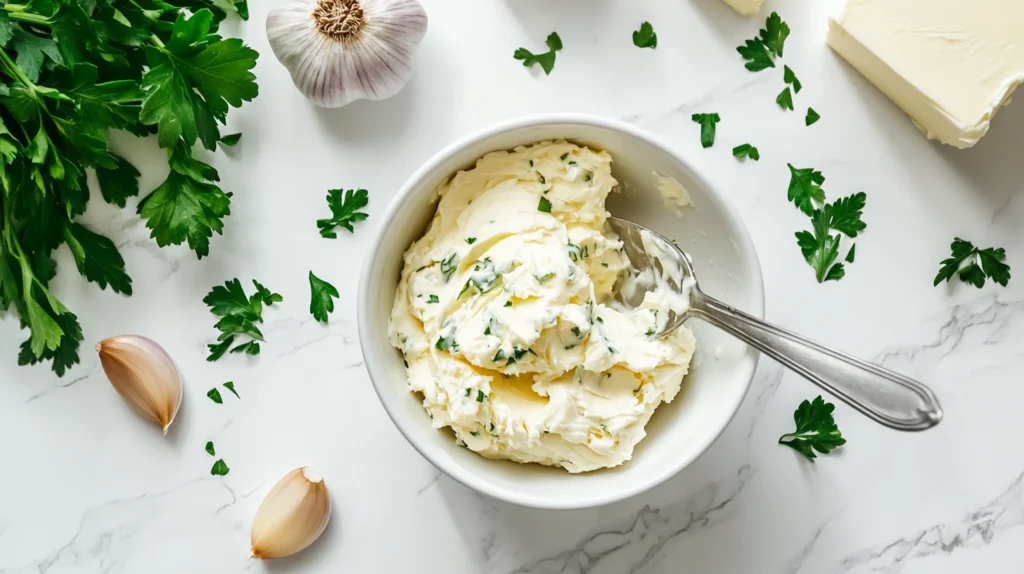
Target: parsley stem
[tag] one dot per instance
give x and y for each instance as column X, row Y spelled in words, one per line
column 156, row 41
column 14, row 71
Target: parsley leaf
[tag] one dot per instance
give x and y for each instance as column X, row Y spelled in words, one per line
column 230, row 140
column 760, row 52
column 774, row 34
column 645, row 36
column 805, row 188
column 345, row 212
column 790, row 78
column 785, row 99
column 231, row 387
column 214, row 395
column 322, row 296
column 544, row 205
column 812, row 116
column 97, row 258
column 546, row 59
column 239, row 315
column 746, row 150
column 816, row 429
column 209, row 448
column 821, row 248
column 707, row 127
column 980, row 264
column 757, row 55
column 220, row 468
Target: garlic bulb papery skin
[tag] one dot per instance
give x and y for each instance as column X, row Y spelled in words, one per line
column 292, row 516
column 144, row 374
column 339, row 51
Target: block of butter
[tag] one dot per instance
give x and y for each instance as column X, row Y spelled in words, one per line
column 745, row 7
column 950, row 64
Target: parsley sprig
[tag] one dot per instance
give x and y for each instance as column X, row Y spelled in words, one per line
column 761, row 51
column 345, row 206
column 239, row 315
column 972, row 265
column 69, row 73
column 546, row 59
column 816, row 429
column 820, row 247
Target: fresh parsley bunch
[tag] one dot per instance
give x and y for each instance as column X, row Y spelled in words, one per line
column 70, row 71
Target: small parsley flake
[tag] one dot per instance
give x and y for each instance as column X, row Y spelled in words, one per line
column 645, row 37
column 544, row 205
column 707, row 127
column 546, row 59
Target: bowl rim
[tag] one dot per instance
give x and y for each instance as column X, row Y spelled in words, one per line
column 370, row 354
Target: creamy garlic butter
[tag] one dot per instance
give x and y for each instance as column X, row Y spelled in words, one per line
column 502, row 314
column 950, row 64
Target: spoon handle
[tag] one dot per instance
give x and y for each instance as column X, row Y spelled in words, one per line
column 891, row 399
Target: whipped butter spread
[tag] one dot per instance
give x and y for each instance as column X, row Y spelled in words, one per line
column 504, row 315
column 949, row 64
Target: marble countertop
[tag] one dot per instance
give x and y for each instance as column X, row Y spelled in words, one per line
column 87, row 486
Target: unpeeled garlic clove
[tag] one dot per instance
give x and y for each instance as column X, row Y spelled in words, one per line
column 292, row 516
column 144, row 374
column 338, row 51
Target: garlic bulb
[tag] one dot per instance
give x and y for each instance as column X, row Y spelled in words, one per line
column 144, row 374
column 292, row 516
column 339, row 51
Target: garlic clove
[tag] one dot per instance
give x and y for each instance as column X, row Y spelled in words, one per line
column 292, row 516
column 144, row 374
column 339, row 51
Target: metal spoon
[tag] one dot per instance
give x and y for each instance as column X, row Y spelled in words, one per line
column 887, row 397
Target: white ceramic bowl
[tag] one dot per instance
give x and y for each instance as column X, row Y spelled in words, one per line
column 726, row 265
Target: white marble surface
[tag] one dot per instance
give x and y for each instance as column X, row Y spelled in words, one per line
column 87, row 486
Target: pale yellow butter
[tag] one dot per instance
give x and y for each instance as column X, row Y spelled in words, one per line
column 745, row 7
column 949, row 64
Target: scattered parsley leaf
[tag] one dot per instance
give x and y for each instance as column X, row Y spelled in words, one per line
column 214, row 395
column 805, row 188
column 433, row 299
column 785, row 99
column 816, row 429
column 707, row 127
column 322, row 296
column 746, row 150
column 645, row 36
column 980, row 264
column 345, row 206
column 239, row 315
column 209, row 448
column 851, row 254
column 471, row 240
column 231, row 387
column 546, row 60
column 507, row 303
column 790, row 78
column 821, row 248
column 544, row 205
column 220, row 468
column 774, row 34
column 812, row 116
column 480, row 396
column 230, row 140
column 757, row 55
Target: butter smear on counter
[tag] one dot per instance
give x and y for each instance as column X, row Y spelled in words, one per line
column 950, row 64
